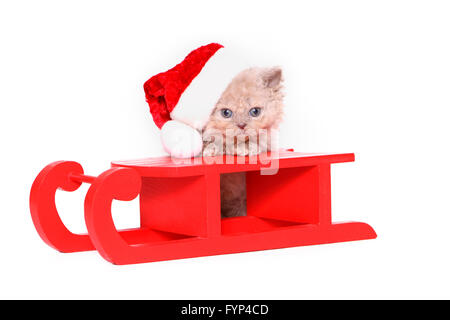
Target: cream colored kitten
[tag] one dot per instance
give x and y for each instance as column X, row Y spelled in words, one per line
column 250, row 108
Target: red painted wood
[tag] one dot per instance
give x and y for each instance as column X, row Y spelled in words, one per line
column 180, row 207
column 290, row 195
column 167, row 167
column 119, row 184
column 324, row 193
column 212, row 194
column 43, row 209
column 175, row 205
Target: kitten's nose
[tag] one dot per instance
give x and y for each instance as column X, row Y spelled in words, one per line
column 241, row 125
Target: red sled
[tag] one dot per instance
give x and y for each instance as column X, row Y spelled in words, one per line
column 180, row 207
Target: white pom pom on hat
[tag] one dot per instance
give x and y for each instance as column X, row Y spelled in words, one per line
column 181, row 140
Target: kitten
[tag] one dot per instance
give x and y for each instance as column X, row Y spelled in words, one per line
column 242, row 123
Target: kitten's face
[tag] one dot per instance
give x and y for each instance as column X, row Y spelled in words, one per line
column 252, row 101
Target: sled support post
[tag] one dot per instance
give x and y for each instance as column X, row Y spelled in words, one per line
column 213, row 205
column 324, row 194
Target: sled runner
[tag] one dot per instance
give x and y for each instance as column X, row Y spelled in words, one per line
column 180, row 207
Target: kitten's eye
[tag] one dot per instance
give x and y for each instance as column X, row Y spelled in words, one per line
column 226, row 113
column 254, row 112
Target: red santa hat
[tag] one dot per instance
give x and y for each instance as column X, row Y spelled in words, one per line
column 182, row 98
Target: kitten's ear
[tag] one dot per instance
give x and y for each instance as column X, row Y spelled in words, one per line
column 272, row 77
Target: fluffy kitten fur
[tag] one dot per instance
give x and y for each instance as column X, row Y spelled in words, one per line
column 259, row 88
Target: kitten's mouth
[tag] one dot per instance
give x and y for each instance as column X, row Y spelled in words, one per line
column 243, row 132
column 249, row 133
column 245, row 139
column 242, row 135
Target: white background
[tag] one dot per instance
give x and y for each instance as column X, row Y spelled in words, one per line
column 370, row 77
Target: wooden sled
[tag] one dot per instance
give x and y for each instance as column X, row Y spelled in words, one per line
column 288, row 204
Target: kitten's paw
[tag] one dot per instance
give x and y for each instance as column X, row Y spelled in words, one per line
column 241, row 150
column 253, row 149
column 211, row 151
